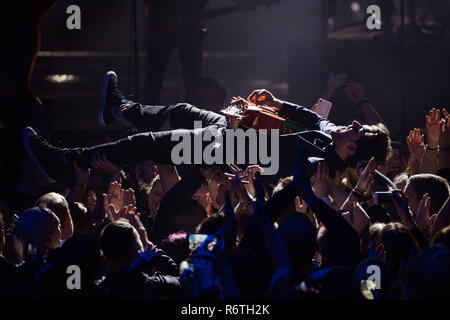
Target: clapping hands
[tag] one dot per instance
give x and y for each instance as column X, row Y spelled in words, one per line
column 118, row 201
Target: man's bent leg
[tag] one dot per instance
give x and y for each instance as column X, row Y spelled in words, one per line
column 178, row 116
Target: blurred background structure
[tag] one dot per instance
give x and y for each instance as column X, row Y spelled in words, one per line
column 288, row 46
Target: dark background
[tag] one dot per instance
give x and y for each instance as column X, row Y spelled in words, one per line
column 279, row 48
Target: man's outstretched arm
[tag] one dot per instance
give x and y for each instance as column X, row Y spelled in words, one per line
column 305, row 117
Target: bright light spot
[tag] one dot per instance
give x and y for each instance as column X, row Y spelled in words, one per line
column 355, row 7
column 330, row 22
column 61, row 78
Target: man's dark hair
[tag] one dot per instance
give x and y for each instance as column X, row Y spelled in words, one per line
column 175, row 245
column 437, row 188
column 118, row 241
column 398, row 242
column 430, row 279
column 299, row 235
column 211, row 224
column 376, row 143
column 55, row 202
column 442, row 237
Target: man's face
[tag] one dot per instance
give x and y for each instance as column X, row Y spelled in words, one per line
column 344, row 139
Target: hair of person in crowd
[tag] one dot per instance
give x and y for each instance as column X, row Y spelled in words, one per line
column 435, row 186
column 59, row 205
column 39, row 227
column 120, row 243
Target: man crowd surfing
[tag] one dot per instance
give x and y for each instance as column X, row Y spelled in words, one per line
column 361, row 217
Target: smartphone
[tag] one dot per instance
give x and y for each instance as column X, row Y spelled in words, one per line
column 185, row 265
column 196, row 239
column 382, row 197
column 323, row 108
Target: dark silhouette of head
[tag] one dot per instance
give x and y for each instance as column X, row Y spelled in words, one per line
column 299, row 235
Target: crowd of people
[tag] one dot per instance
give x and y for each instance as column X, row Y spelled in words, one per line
column 369, row 219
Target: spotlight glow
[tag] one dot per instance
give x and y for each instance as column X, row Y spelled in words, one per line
column 355, row 7
column 61, row 78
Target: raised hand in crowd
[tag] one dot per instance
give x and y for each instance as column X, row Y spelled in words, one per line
column 355, row 92
column 118, row 201
column 105, row 168
column 432, row 125
column 321, row 181
column 442, row 220
column 416, row 147
column 214, row 174
column 408, row 219
column 364, row 185
column 133, row 217
column 241, row 182
column 334, row 81
column 354, row 212
column 429, row 163
column 78, row 190
column 403, row 210
column 424, row 219
column 416, row 144
column 250, row 172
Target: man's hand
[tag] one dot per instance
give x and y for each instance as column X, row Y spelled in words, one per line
column 117, row 113
column 250, row 172
column 444, row 138
column 401, row 203
column 416, row 146
column 215, row 174
column 102, row 165
column 117, row 201
column 432, row 124
column 321, row 181
column 334, row 82
column 263, row 97
column 424, row 219
column 366, row 178
column 301, row 181
column 130, row 213
column 355, row 92
column 82, row 174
